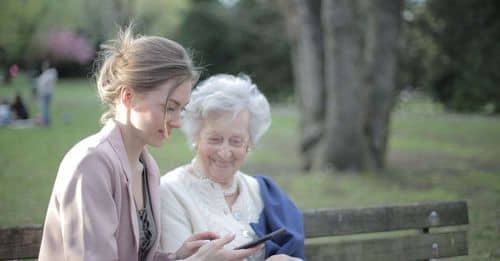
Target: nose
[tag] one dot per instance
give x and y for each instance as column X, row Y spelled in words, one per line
column 224, row 152
column 173, row 122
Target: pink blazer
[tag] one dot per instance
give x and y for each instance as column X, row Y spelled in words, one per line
column 91, row 214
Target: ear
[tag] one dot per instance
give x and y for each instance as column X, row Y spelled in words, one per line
column 126, row 96
column 196, row 141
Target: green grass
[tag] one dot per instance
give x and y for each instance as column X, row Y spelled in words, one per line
column 433, row 155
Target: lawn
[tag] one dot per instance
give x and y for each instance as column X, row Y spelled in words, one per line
column 433, row 155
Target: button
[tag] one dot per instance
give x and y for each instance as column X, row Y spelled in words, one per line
column 237, row 215
column 246, row 233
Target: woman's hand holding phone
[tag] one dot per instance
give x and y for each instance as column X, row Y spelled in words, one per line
column 262, row 239
column 214, row 250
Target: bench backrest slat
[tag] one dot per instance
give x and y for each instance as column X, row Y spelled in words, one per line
column 20, row 242
column 414, row 247
column 334, row 222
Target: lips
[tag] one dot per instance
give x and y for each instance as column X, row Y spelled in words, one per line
column 221, row 164
column 162, row 133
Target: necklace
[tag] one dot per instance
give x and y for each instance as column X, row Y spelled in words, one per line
column 228, row 192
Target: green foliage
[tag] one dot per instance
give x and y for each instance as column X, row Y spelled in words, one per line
column 248, row 37
column 155, row 17
column 451, row 50
column 25, row 24
column 17, row 26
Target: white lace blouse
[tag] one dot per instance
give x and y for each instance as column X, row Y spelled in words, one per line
column 191, row 204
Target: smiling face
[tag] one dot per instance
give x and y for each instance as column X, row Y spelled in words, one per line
column 222, row 144
column 153, row 116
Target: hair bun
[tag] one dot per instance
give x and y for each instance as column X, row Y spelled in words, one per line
column 141, row 63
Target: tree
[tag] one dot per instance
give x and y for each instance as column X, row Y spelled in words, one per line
column 348, row 79
column 26, row 25
column 305, row 36
column 18, row 25
column 246, row 37
column 458, row 40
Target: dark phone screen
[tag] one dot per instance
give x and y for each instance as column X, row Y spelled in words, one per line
column 261, row 239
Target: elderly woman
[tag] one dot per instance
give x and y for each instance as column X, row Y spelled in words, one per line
column 225, row 117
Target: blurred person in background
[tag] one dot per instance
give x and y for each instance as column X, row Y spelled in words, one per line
column 20, row 115
column 226, row 116
column 46, row 84
column 105, row 201
column 19, row 109
column 5, row 115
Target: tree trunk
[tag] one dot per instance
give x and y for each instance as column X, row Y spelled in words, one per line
column 344, row 60
column 382, row 38
column 304, row 30
column 346, row 144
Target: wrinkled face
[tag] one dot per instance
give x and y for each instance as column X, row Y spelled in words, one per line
column 222, row 145
column 153, row 116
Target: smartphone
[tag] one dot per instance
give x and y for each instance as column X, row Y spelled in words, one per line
column 261, row 239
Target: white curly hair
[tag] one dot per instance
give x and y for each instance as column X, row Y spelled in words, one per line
column 227, row 93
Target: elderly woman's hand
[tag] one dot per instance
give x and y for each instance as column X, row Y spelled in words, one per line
column 282, row 258
column 214, row 251
column 194, row 242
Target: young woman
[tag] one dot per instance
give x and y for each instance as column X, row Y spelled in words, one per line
column 105, row 200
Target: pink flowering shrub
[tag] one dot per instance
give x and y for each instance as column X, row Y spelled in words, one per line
column 67, row 46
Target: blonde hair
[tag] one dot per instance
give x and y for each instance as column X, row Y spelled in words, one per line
column 141, row 63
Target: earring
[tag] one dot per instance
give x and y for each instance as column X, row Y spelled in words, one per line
column 194, row 146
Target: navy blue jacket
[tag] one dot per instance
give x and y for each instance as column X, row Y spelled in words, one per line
column 279, row 211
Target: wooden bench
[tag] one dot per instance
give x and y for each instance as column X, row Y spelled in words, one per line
column 413, row 240
column 406, row 232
